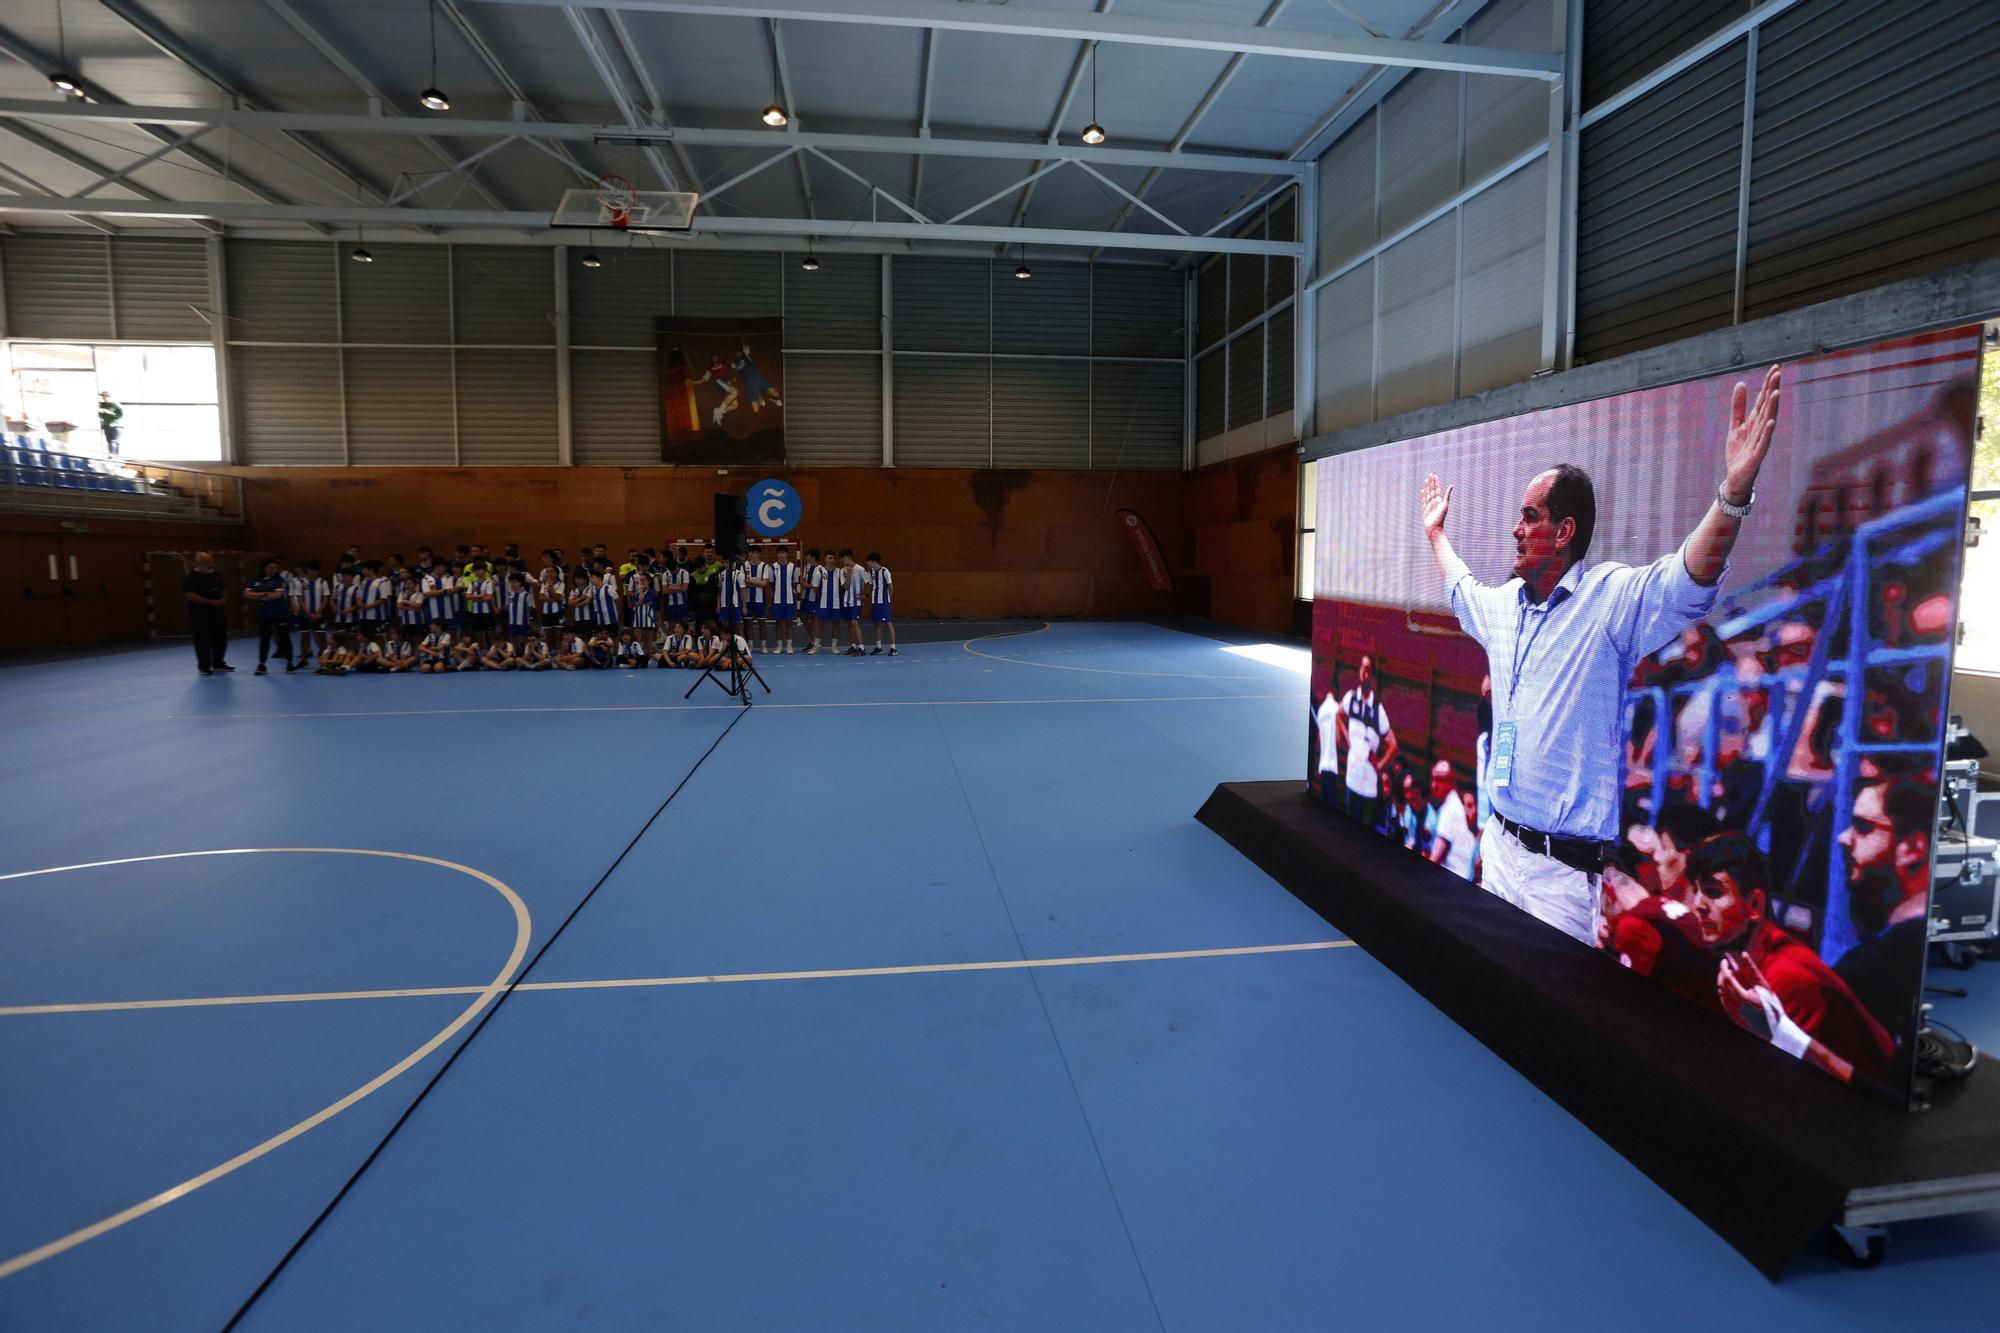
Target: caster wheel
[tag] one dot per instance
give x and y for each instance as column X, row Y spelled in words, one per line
column 1859, row 1247
column 1959, row 957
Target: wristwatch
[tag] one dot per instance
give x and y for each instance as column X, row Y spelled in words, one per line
column 1741, row 511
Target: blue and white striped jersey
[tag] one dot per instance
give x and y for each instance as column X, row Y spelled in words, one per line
column 346, row 600
column 520, row 607
column 381, row 591
column 437, row 595
column 880, row 584
column 729, row 588
column 784, row 583
column 604, row 603
column 841, row 586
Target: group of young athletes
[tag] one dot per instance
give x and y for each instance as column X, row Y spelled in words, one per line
column 468, row 611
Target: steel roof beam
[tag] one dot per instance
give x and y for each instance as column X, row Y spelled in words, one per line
column 1290, row 44
column 1234, row 164
column 231, row 212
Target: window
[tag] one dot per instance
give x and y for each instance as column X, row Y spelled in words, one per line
column 1308, row 524
column 168, row 395
column 1979, row 593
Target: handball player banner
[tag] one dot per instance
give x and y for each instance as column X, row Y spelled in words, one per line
column 722, row 390
column 1669, row 671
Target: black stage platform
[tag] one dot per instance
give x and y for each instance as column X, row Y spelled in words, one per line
column 1764, row 1150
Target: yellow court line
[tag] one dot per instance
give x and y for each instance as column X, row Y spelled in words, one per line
column 1000, row 965
column 656, row 708
column 1100, row 671
column 523, row 929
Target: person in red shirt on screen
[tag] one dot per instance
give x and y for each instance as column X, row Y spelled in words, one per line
column 1769, row 982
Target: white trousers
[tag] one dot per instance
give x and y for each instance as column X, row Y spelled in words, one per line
column 1541, row 886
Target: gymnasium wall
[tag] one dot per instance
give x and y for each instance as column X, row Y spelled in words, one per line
column 1240, row 520
column 1837, row 146
column 963, row 542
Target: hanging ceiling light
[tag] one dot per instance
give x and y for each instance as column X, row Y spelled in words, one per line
column 775, row 117
column 359, row 254
column 1022, row 271
column 1093, row 133
column 592, row 261
column 62, row 78
column 433, row 98
column 809, row 263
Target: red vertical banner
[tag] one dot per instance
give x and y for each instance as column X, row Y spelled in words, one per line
column 1148, row 549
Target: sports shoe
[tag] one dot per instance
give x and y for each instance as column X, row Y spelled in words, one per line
column 261, row 671
column 812, row 648
column 224, row 666
column 892, row 652
column 206, row 672
column 877, row 652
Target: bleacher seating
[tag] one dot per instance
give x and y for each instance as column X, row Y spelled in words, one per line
column 29, row 461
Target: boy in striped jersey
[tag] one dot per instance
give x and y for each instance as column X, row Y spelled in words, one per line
column 500, row 657
column 309, row 594
column 784, row 595
column 480, row 599
column 520, row 610
column 854, row 582
column 642, row 603
column 601, row 651
column 674, row 583
column 434, row 649
column 881, row 613
column 398, row 654
column 730, row 584
column 346, row 602
column 811, row 576
column 569, row 654
column 756, row 598
column 409, row 602
column 632, row 654
column 604, row 599
column 553, row 596
column 437, row 589
column 378, row 596
column 535, row 655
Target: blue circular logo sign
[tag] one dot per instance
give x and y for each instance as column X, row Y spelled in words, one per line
column 772, row 508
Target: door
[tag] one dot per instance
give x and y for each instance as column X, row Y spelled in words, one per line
column 74, row 590
column 33, row 573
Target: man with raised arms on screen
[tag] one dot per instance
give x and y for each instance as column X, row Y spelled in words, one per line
column 1561, row 642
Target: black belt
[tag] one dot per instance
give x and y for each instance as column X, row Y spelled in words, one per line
column 1585, row 854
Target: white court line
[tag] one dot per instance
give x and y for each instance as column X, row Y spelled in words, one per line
column 523, row 929
column 652, row 708
column 1001, row 965
column 1101, row 671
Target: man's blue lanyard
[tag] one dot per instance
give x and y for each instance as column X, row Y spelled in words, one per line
column 1523, row 651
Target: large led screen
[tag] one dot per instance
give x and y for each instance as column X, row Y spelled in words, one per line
column 1668, row 671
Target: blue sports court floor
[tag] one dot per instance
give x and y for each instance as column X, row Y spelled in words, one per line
column 849, row 1033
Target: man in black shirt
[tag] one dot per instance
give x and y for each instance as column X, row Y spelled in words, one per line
column 1888, row 847
column 203, row 589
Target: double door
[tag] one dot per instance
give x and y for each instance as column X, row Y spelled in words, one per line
column 71, row 590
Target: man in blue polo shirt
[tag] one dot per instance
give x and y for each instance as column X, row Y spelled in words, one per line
column 1561, row 642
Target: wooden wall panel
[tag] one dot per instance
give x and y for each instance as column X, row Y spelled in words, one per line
column 1241, row 522
column 972, row 543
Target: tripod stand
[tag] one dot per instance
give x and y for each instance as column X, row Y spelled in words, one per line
column 738, row 686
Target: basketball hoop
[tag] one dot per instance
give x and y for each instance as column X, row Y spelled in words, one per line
column 615, row 197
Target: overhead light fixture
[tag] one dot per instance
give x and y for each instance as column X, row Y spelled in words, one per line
column 775, row 117
column 809, row 263
column 1093, row 133
column 1022, row 272
column 359, row 254
column 592, row 261
column 62, row 78
column 433, row 98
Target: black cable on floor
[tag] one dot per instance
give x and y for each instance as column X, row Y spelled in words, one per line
column 736, row 715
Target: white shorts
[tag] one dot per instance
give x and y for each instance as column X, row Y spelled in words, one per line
column 1541, row 886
